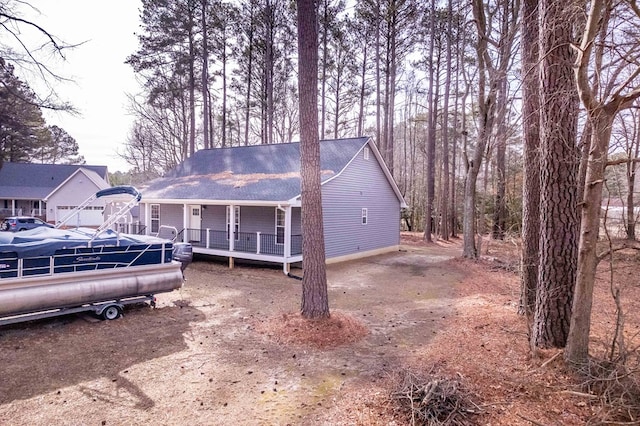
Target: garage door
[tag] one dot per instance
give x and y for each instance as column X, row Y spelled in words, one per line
column 89, row 216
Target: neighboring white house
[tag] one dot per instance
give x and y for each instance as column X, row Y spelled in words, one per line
column 51, row 191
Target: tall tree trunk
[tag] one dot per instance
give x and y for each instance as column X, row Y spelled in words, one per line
column 315, row 300
column 386, row 104
column 269, row 69
column 509, row 19
column 500, row 209
column 363, row 86
column 558, row 178
column 205, row 76
column 631, row 183
column 444, row 190
column 247, row 101
column 338, row 88
column 223, row 118
column 430, row 174
column 393, row 69
column 531, row 166
column 324, row 29
column 192, row 91
column 577, row 348
column 600, row 115
column 456, row 114
column 378, row 92
column 486, row 117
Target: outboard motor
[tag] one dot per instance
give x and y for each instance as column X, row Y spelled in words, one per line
column 183, row 253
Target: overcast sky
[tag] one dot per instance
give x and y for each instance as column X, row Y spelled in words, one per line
column 101, row 80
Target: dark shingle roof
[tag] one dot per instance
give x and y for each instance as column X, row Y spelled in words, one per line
column 248, row 173
column 36, row 181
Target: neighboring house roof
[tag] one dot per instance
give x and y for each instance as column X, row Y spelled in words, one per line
column 264, row 173
column 99, row 182
column 30, row 181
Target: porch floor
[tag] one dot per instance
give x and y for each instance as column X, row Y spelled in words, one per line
column 247, row 255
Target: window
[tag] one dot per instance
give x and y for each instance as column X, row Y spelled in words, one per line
column 280, row 226
column 364, row 216
column 155, row 218
column 236, row 228
column 366, row 152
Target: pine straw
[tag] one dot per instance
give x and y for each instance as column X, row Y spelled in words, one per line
column 291, row 328
column 434, row 400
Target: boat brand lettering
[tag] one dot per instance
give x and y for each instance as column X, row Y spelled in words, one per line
column 88, row 259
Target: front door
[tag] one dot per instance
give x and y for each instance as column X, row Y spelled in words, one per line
column 195, row 222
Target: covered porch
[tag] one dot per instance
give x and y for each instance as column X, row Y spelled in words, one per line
column 244, row 245
column 17, row 207
column 267, row 232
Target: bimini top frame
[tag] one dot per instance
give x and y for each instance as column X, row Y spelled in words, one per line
column 116, row 190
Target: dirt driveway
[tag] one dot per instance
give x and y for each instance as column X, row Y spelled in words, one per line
column 200, row 358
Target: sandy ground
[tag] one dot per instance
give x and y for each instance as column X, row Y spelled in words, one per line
column 227, row 348
column 205, row 354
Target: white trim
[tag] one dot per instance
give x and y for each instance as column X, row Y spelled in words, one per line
column 194, row 236
column 151, row 218
column 208, row 202
column 362, row 254
column 231, row 230
column 246, row 255
column 283, row 226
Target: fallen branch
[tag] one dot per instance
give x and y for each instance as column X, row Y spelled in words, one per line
column 530, row 420
column 550, row 360
column 581, row 394
column 435, row 400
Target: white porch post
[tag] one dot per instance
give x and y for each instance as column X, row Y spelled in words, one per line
column 185, row 222
column 287, row 238
column 147, row 217
column 13, row 207
column 232, row 232
column 232, row 227
column 40, row 208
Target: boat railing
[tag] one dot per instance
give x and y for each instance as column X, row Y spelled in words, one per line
column 84, row 259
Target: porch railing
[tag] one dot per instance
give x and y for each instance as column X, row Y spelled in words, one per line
column 245, row 242
column 130, row 228
column 10, row 212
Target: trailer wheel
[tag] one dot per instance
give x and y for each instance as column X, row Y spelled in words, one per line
column 111, row 312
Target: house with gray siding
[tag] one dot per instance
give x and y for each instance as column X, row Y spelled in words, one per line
column 51, row 191
column 245, row 202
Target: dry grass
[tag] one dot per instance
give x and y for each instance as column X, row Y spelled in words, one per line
column 228, row 349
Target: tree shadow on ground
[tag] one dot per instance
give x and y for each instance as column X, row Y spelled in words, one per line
column 42, row 356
